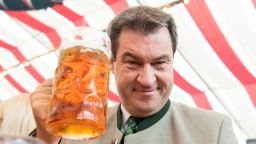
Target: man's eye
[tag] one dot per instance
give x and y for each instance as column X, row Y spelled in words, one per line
column 132, row 63
column 159, row 63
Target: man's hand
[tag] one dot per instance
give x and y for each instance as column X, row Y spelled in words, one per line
column 40, row 99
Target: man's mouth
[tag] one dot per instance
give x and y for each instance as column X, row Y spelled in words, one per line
column 146, row 90
column 143, row 90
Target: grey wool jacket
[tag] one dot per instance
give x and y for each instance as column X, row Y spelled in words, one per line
column 181, row 124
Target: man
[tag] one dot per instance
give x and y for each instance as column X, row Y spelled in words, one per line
column 144, row 41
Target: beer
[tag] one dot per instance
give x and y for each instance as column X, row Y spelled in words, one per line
column 78, row 107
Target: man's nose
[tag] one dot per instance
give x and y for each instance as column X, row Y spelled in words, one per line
column 146, row 76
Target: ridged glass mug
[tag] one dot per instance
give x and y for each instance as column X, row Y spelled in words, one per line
column 78, row 106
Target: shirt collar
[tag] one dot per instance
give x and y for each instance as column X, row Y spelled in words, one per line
column 145, row 122
column 125, row 116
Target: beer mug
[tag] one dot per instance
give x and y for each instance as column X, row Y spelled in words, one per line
column 78, row 106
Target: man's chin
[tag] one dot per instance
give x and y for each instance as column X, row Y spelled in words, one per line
column 144, row 111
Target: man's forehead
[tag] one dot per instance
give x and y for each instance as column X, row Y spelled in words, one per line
column 136, row 45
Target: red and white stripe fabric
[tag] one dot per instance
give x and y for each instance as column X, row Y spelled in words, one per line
column 214, row 65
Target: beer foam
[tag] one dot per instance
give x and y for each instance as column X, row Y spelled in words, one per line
column 90, row 45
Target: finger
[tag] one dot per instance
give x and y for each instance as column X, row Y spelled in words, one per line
column 47, row 83
column 40, row 95
column 44, row 90
column 39, row 102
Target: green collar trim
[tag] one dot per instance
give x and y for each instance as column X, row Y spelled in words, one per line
column 119, row 117
column 145, row 122
column 151, row 120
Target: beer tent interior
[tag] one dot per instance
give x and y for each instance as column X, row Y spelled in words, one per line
column 214, row 66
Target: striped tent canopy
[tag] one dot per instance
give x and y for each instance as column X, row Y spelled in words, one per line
column 215, row 63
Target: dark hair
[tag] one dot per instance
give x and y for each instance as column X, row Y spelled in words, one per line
column 143, row 19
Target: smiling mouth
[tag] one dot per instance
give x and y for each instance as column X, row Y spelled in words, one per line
column 143, row 90
column 145, row 95
column 146, row 90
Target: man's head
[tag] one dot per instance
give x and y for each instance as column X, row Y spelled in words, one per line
column 144, row 20
column 143, row 41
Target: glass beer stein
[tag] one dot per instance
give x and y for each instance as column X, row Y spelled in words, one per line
column 78, row 106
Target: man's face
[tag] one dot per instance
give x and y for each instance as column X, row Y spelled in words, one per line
column 143, row 70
